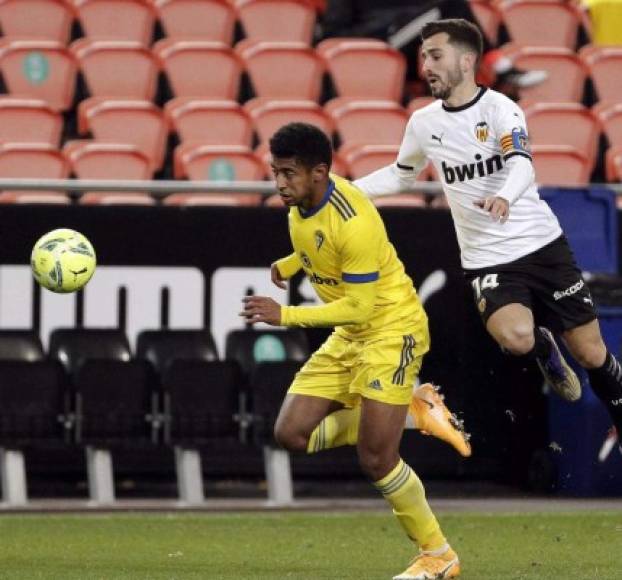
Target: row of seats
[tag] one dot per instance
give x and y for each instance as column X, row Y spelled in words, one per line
column 90, row 390
column 200, row 69
column 135, row 20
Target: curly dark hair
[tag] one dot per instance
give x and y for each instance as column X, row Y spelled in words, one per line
column 306, row 143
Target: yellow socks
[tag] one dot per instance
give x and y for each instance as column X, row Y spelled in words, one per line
column 404, row 491
column 337, row 429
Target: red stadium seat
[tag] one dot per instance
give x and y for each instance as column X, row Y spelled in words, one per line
column 266, row 61
column 277, row 20
column 541, row 22
column 228, row 199
column 564, row 123
column 29, row 121
column 418, row 103
column 138, row 123
column 217, row 163
column 43, row 197
column 605, row 69
column 488, row 18
column 610, row 116
column 197, row 19
column 117, row 69
column 200, row 69
column 269, row 116
column 370, row 123
column 36, row 19
column 363, row 160
column 93, row 160
column 110, row 198
column 329, row 44
column 613, row 164
column 41, row 69
column 404, row 200
column 567, row 73
column 560, row 165
column 117, row 19
column 210, row 122
column 31, row 160
column 366, row 70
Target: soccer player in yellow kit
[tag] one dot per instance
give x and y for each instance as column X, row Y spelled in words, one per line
column 356, row 389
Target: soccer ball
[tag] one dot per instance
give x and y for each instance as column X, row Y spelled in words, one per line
column 63, row 260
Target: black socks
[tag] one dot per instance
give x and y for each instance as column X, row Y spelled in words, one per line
column 606, row 382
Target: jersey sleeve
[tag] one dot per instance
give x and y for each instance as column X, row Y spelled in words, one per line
column 399, row 176
column 511, row 130
column 289, row 265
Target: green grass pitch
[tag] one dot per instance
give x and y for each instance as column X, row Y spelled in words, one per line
column 271, row 546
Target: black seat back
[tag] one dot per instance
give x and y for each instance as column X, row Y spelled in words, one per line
column 73, row 346
column 24, row 345
column 251, row 347
column 162, row 347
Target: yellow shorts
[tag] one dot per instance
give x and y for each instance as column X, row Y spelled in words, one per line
column 383, row 368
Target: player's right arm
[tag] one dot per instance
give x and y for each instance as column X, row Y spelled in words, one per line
column 400, row 176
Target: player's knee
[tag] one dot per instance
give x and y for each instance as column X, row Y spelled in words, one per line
column 517, row 340
column 590, row 355
column 375, row 464
column 289, row 438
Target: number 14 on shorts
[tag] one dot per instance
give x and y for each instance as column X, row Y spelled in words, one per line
column 483, row 283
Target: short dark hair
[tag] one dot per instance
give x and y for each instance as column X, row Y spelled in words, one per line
column 460, row 31
column 308, row 144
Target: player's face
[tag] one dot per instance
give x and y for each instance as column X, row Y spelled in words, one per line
column 293, row 180
column 441, row 65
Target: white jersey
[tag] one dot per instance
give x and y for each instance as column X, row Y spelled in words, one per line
column 469, row 147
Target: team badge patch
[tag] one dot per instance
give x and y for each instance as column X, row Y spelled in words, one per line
column 481, row 131
column 319, row 239
column 305, row 260
column 520, row 141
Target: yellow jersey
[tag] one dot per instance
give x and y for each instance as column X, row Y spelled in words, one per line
column 343, row 248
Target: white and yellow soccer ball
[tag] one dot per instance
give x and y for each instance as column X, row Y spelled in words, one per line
column 63, row 260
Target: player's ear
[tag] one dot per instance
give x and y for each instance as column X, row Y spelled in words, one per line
column 320, row 172
column 468, row 60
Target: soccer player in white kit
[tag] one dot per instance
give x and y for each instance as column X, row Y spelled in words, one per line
column 513, row 250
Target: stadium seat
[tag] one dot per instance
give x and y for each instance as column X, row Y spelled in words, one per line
column 418, row 103
column 36, row 19
column 95, row 160
column 117, row 69
column 29, row 121
column 366, row 70
column 329, row 44
column 268, row 386
column 560, row 165
column 138, row 123
column 277, row 20
column 266, row 61
column 567, row 73
column 32, row 160
column 613, row 164
column 207, row 199
column 117, row 19
column 370, row 123
column 269, row 116
column 162, row 347
column 118, row 198
column 210, row 122
column 197, row 19
column 43, row 197
column 217, row 163
column 251, row 347
column 610, row 116
column 367, row 158
column 562, row 124
column 404, row 200
column 541, row 22
column 200, row 69
column 488, row 17
column 605, row 69
column 40, row 69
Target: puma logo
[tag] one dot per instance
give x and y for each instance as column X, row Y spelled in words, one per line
column 439, row 139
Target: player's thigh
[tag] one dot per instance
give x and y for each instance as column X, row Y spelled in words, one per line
column 328, row 372
column 388, row 366
column 301, row 414
column 380, row 430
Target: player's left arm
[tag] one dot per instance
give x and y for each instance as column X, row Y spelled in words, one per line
column 360, row 272
column 511, row 127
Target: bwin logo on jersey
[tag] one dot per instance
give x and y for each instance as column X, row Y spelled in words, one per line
column 481, row 131
column 480, row 168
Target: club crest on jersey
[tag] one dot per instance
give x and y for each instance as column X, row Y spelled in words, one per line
column 319, row 239
column 305, row 260
column 481, row 131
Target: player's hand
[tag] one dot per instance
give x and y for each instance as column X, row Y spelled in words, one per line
column 261, row 309
column 497, row 207
column 277, row 279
